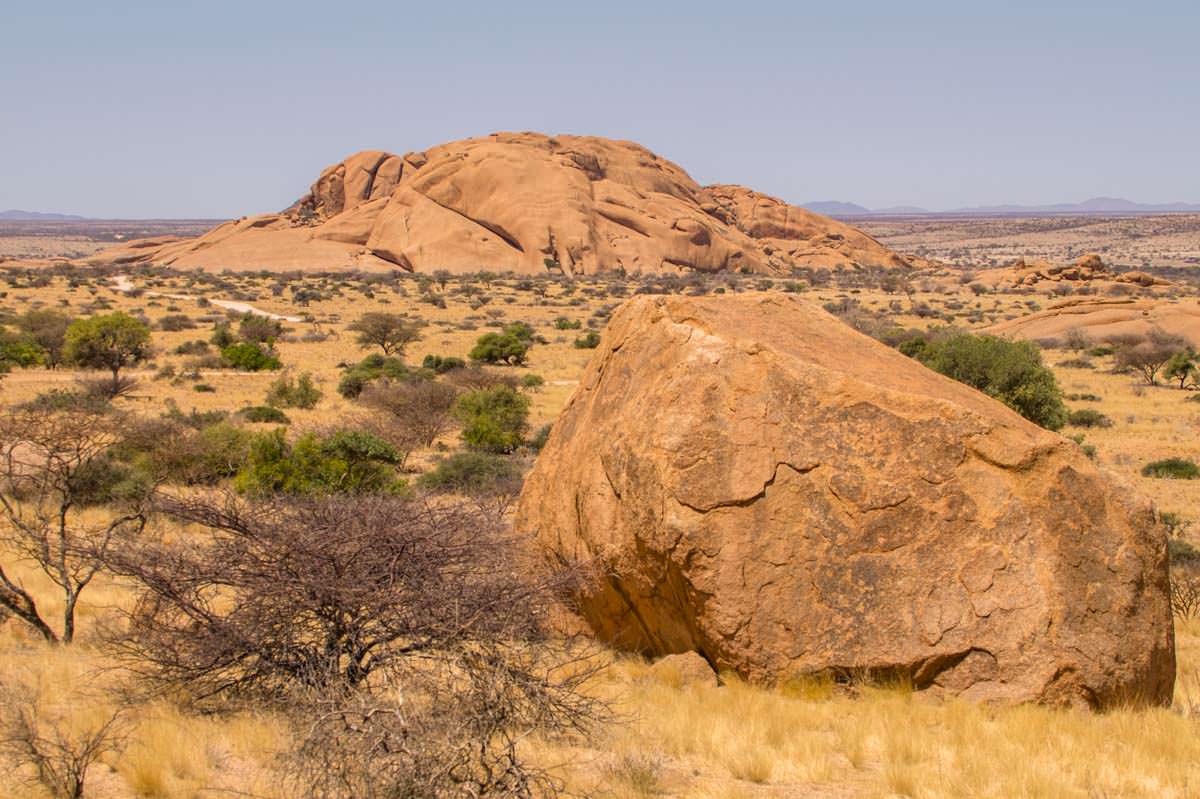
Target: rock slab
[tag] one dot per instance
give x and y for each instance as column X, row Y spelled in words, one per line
column 757, row 482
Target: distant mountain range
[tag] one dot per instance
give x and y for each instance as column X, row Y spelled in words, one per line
column 1096, row 205
column 37, row 216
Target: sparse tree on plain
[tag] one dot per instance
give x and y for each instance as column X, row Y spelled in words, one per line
column 112, row 341
column 390, row 332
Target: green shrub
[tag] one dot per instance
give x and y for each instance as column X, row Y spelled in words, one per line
column 348, row 461
column 442, row 363
column 494, row 419
column 1083, row 397
column 18, row 349
column 500, row 348
column 284, row 392
column 473, row 473
column 247, row 356
column 588, row 341
column 532, row 380
column 1086, row 417
column 205, row 388
column 355, row 378
column 1172, row 469
column 1009, row 371
column 264, row 414
column 563, row 323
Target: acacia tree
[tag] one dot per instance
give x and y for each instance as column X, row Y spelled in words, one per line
column 1149, row 355
column 54, row 467
column 112, row 341
column 390, row 332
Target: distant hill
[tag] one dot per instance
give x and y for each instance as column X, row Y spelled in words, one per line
column 1096, row 205
column 37, row 216
column 835, row 208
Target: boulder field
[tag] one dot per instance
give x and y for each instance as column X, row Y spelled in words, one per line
column 1042, row 276
column 521, row 202
column 747, row 478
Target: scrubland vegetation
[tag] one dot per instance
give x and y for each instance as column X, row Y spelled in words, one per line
column 301, row 583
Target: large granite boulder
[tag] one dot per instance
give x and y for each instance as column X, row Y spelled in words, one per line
column 761, row 484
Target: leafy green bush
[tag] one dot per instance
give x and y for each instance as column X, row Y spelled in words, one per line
column 532, row 380
column 473, row 473
column 1172, row 469
column 1086, row 417
column 355, row 378
column 247, row 356
column 1009, row 371
column 588, row 341
column 18, row 349
column 264, row 414
column 284, row 392
column 348, row 461
column 563, row 323
column 500, row 348
column 494, row 419
column 442, row 363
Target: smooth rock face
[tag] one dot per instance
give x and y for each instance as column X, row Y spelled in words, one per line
column 523, row 202
column 765, row 486
column 1103, row 318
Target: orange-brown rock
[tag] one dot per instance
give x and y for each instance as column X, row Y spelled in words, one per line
column 1044, row 276
column 523, row 202
column 761, row 484
column 1104, row 318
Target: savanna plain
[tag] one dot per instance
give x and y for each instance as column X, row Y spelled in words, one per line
column 627, row 728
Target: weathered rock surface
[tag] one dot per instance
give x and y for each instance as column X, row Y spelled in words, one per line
column 1102, row 318
column 765, row 486
column 684, row 669
column 523, row 202
column 1087, row 270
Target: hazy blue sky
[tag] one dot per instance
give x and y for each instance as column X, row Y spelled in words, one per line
column 219, row 109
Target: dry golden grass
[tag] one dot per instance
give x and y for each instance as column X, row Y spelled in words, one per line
column 804, row 739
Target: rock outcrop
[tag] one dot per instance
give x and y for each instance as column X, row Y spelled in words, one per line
column 523, row 202
column 1100, row 319
column 1044, row 276
column 758, row 483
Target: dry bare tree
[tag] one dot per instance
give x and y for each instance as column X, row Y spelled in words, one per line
column 407, row 639
column 412, row 413
column 55, row 467
column 57, row 745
